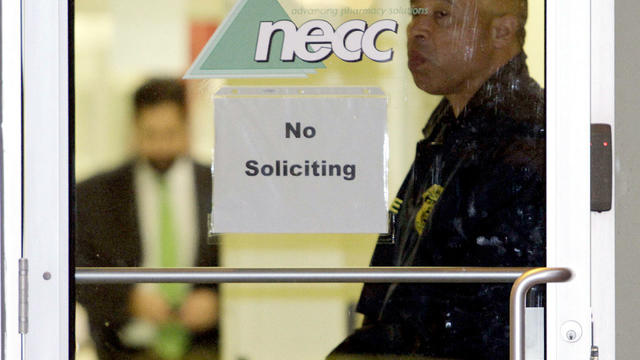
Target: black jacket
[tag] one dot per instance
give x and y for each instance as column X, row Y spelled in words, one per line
column 108, row 235
column 475, row 196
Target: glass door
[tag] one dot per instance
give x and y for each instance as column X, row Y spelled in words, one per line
column 486, row 108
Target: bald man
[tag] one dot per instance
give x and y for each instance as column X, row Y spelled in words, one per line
column 475, row 194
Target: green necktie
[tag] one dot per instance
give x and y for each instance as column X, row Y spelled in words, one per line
column 172, row 340
column 173, row 293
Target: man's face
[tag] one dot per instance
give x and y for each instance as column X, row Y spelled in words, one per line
column 449, row 44
column 161, row 134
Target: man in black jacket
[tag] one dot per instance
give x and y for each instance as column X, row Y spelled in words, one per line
column 475, row 195
column 150, row 212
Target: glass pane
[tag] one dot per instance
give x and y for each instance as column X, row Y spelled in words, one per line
column 465, row 121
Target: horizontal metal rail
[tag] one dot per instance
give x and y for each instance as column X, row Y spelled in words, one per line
column 523, row 278
column 202, row 275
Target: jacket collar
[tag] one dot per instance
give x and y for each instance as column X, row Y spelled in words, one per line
column 492, row 94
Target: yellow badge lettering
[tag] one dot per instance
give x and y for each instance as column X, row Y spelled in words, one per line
column 429, row 200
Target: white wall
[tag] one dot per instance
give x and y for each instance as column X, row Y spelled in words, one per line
column 628, row 175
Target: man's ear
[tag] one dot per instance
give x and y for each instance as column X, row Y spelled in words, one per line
column 504, row 30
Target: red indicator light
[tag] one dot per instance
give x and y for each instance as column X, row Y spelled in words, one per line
column 605, row 143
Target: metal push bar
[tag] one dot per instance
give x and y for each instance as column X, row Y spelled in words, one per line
column 523, row 278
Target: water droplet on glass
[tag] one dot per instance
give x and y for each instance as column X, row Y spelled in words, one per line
column 448, row 325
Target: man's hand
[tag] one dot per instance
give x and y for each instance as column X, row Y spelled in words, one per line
column 150, row 306
column 199, row 312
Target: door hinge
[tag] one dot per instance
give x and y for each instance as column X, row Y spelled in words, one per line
column 23, row 296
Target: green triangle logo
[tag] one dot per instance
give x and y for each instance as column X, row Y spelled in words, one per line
column 231, row 50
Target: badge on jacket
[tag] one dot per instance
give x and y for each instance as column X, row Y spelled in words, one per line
column 429, row 200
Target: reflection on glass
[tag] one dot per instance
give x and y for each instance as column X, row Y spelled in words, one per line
column 474, row 195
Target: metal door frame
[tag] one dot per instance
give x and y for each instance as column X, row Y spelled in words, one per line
column 568, row 170
column 603, row 224
column 46, row 176
column 11, row 175
column 46, row 156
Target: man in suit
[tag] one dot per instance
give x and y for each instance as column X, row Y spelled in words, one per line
column 151, row 212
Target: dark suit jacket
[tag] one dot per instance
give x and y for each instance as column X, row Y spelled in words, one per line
column 108, row 235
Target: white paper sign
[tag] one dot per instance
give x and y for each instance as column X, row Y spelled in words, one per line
column 300, row 160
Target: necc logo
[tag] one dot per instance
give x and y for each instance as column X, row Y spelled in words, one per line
column 281, row 49
column 316, row 40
